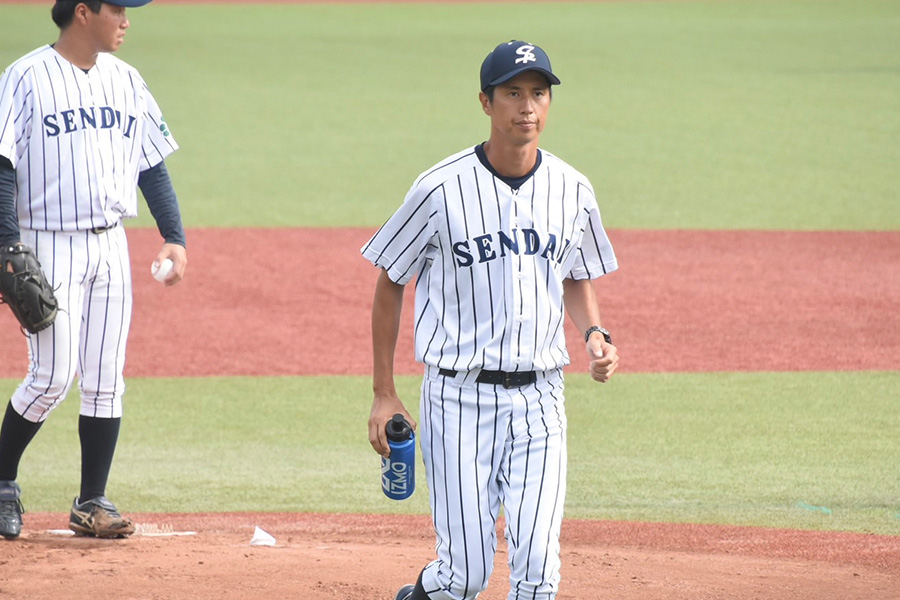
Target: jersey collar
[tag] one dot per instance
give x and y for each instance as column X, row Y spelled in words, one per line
column 513, row 182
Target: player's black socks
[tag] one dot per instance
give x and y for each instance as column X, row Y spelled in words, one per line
column 419, row 591
column 15, row 435
column 98, row 444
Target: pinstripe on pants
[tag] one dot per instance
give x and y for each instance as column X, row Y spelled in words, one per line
column 92, row 277
column 484, row 447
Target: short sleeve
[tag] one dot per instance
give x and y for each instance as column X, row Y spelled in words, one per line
column 595, row 255
column 15, row 113
column 157, row 142
column 402, row 244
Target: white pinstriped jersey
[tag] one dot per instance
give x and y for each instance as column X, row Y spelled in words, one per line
column 103, row 125
column 491, row 260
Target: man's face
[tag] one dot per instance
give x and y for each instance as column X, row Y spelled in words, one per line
column 108, row 27
column 519, row 109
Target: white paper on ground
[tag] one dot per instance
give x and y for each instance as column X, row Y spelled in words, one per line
column 261, row 538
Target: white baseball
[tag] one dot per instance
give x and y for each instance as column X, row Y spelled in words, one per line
column 161, row 270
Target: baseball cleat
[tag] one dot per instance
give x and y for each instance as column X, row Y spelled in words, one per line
column 405, row 592
column 11, row 509
column 98, row 517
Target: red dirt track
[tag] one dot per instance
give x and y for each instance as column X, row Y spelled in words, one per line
column 297, row 302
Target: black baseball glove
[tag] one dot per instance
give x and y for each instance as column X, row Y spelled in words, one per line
column 25, row 289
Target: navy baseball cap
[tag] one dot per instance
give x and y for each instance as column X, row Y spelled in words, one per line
column 128, row 3
column 509, row 59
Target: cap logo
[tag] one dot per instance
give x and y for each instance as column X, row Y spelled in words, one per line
column 526, row 55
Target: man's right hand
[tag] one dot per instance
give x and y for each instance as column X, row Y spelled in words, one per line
column 384, row 407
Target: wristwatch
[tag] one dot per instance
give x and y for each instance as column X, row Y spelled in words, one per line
column 594, row 329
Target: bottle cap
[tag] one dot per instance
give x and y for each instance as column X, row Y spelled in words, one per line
column 398, row 429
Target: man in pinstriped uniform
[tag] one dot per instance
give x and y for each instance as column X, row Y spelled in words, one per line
column 79, row 132
column 503, row 239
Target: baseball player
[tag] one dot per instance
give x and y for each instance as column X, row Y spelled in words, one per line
column 501, row 238
column 79, row 132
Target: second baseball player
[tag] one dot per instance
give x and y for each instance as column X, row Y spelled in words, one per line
column 79, row 133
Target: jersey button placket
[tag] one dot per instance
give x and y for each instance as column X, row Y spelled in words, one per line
column 510, row 265
column 523, row 287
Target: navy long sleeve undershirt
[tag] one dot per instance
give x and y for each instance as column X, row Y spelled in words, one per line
column 9, row 222
column 155, row 184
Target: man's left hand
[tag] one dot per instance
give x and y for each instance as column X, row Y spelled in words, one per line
column 604, row 359
column 178, row 255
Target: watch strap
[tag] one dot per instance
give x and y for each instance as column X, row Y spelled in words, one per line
column 595, row 329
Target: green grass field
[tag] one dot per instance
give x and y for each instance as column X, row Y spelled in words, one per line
column 808, row 450
column 710, row 115
column 721, row 114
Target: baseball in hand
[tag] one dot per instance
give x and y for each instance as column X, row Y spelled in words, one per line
column 161, row 270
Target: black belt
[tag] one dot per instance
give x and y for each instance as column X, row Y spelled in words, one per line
column 505, row 378
column 98, row 230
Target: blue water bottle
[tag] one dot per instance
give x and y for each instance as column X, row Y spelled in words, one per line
column 398, row 472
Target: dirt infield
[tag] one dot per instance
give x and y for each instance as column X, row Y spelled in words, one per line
column 354, row 557
column 731, row 294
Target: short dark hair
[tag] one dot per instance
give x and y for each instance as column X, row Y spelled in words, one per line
column 64, row 10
